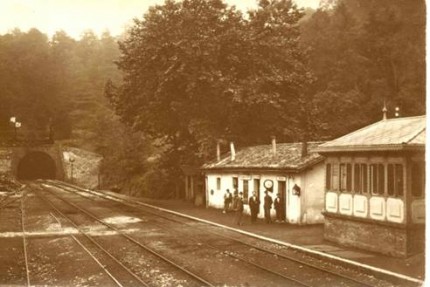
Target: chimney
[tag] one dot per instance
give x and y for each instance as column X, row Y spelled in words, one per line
column 274, row 145
column 232, row 151
column 304, row 148
column 218, row 150
column 384, row 112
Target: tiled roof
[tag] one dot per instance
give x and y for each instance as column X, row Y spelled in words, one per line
column 390, row 134
column 288, row 157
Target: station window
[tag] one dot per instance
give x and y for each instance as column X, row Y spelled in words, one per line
column 345, row 177
column 342, row 177
column 245, row 189
column 399, row 179
column 235, row 183
column 348, row 177
column 360, row 178
column 328, row 176
column 218, row 183
column 395, row 180
column 364, row 186
column 335, row 177
column 376, row 178
column 357, row 178
column 418, row 179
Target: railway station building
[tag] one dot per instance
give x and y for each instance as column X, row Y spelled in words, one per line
column 292, row 170
column 375, row 187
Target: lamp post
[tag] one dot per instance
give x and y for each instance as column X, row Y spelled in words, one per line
column 16, row 126
column 71, row 160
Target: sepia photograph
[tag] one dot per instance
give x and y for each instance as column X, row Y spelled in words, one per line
column 224, row 143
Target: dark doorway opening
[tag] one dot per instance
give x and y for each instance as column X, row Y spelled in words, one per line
column 36, row 165
column 282, row 193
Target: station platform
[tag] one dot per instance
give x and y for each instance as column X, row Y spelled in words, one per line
column 307, row 236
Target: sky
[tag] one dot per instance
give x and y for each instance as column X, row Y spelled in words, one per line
column 77, row 16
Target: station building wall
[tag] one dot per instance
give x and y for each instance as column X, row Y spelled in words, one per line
column 305, row 208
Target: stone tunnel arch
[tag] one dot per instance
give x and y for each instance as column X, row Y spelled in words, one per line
column 36, row 165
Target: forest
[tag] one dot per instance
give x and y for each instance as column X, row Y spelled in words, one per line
column 190, row 73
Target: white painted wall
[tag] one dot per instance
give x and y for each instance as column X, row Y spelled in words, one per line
column 303, row 209
column 312, row 203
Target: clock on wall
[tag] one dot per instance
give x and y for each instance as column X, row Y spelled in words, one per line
column 268, row 184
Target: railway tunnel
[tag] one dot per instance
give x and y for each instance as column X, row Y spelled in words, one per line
column 36, row 165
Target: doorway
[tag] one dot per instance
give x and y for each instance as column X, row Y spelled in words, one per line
column 282, row 187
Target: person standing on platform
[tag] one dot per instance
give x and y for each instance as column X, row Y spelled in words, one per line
column 234, row 201
column 239, row 209
column 227, row 201
column 267, row 206
column 278, row 208
column 254, row 205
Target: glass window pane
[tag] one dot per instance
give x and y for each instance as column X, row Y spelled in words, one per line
column 357, row 178
column 364, row 186
column 245, row 189
column 418, row 174
column 335, row 177
column 328, row 177
column 390, row 179
column 235, row 183
column 349, row 177
column 399, row 179
column 373, row 179
column 381, row 179
column 342, row 177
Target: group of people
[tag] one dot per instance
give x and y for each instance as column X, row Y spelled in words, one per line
column 235, row 202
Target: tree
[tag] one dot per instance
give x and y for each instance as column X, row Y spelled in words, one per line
column 196, row 71
column 29, row 81
column 364, row 53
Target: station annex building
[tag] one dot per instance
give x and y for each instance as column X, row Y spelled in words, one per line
column 292, row 170
column 375, row 187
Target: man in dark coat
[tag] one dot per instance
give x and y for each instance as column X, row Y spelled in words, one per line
column 267, row 206
column 279, row 208
column 239, row 209
column 254, row 205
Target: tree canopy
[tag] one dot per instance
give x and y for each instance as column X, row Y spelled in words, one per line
column 197, row 71
column 365, row 53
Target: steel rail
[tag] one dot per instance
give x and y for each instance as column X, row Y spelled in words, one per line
column 9, row 202
column 95, row 243
column 254, row 247
column 136, row 204
column 24, row 239
column 279, row 255
column 195, row 276
column 47, row 201
column 193, row 238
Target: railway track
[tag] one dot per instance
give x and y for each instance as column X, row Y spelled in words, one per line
column 115, row 279
column 24, row 238
column 335, row 276
column 201, row 281
column 289, row 280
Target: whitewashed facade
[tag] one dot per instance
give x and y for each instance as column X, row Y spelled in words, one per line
column 308, row 175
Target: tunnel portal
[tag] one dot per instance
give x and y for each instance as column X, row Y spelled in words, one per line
column 36, row 165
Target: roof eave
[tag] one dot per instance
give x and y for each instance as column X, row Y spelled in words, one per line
column 295, row 169
column 365, row 148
